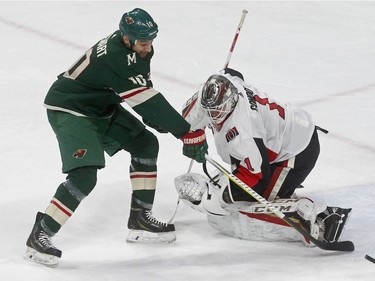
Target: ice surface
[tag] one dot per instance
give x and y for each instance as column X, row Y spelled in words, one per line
column 320, row 55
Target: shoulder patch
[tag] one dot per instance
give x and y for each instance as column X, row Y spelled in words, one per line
column 232, row 133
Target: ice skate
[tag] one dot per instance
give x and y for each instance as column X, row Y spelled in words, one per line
column 144, row 228
column 39, row 246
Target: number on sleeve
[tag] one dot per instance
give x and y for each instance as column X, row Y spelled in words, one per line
column 80, row 65
column 138, row 80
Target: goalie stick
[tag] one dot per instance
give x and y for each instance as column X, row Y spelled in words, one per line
column 190, row 104
column 345, row 246
column 369, row 258
column 188, row 107
column 244, row 13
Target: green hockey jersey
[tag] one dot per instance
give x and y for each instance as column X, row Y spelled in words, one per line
column 110, row 73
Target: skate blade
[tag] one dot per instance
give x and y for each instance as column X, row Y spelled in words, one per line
column 140, row 236
column 35, row 256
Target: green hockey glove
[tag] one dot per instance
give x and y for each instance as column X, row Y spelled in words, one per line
column 195, row 145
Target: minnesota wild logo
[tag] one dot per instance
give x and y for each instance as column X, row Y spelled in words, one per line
column 80, row 153
column 129, row 20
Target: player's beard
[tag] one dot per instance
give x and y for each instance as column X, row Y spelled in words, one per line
column 143, row 54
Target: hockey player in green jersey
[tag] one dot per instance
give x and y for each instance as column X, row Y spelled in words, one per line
column 84, row 111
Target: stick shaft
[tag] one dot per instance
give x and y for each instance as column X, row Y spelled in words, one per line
column 244, row 13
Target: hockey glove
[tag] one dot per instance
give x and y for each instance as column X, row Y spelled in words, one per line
column 195, row 145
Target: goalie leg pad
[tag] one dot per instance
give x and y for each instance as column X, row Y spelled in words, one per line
column 241, row 226
column 256, row 222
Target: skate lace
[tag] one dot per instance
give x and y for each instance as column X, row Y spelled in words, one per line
column 153, row 220
column 45, row 240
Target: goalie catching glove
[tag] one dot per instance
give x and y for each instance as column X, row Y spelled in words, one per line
column 191, row 187
column 195, row 145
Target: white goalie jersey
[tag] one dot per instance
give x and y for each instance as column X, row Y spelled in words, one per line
column 285, row 130
column 252, row 130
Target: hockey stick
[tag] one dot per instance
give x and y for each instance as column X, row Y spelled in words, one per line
column 244, row 13
column 191, row 104
column 187, row 110
column 178, row 200
column 345, row 246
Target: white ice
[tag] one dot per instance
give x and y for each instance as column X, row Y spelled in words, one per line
column 319, row 55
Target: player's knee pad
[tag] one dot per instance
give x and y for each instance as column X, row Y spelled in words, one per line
column 81, row 181
column 143, row 164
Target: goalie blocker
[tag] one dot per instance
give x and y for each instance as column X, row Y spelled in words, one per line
column 253, row 221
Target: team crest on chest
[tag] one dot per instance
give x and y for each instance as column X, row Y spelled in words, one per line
column 232, row 133
column 132, row 58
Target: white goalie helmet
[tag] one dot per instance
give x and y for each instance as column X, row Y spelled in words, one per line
column 219, row 96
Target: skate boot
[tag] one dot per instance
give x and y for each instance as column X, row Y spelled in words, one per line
column 144, row 228
column 39, row 245
column 331, row 223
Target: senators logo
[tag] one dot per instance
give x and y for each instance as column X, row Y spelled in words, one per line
column 232, row 133
column 80, row 153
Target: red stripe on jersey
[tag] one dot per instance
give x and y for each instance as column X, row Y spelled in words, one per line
column 247, row 177
column 271, row 185
column 271, row 155
column 136, row 92
column 61, row 208
column 186, row 113
column 142, row 176
column 268, row 218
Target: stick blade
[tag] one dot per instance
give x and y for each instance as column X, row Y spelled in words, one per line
column 343, row 246
column 369, row 258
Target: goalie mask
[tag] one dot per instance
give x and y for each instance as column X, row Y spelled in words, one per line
column 219, row 97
